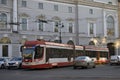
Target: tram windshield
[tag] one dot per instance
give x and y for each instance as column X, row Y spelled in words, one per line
column 28, row 53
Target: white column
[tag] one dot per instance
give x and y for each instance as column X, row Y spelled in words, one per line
column 104, row 23
column 95, row 30
column 0, row 50
column 15, row 15
column 10, row 50
column 116, row 26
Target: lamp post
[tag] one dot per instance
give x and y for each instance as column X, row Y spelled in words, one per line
column 60, row 36
column 60, row 26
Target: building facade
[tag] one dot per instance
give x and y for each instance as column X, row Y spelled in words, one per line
column 84, row 22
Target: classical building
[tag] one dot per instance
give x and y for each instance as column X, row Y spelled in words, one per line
column 84, row 22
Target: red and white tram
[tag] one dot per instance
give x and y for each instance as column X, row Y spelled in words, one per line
column 41, row 54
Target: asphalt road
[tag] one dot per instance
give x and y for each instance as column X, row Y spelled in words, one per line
column 101, row 72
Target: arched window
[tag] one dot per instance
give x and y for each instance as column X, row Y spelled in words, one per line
column 3, row 20
column 4, row 17
column 4, row 2
column 110, row 26
column 24, row 24
column 56, row 26
column 40, row 25
column 70, row 28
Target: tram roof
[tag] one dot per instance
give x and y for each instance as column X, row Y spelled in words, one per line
column 37, row 42
column 93, row 48
column 42, row 42
column 33, row 43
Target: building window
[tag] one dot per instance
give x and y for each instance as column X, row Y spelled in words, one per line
column 4, row 2
column 3, row 17
column 91, row 29
column 109, row 2
column 55, row 7
column 24, row 3
column 24, row 24
column 90, row 11
column 56, row 26
column 40, row 5
column 70, row 28
column 3, row 21
column 70, row 9
column 40, row 26
column 110, row 26
column 5, row 51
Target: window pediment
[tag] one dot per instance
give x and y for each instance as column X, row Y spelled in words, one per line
column 5, row 40
column 24, row 15
column 56, row 18
column 70, row 19
column 43, row 17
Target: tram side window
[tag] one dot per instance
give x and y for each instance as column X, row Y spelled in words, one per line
column 79, row 53
column 91, row 53
column 104, row 54
column 58, row 53
column 55, row 53
column 38, row 52
column 50, row 53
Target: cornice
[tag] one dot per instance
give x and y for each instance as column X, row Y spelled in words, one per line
column 64, row 1
column 88, row 3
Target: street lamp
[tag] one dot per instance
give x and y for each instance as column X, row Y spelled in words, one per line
column 60, row 26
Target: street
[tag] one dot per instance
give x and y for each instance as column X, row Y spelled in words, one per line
column 101, row 72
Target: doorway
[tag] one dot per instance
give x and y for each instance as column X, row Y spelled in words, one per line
column 5, row 50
